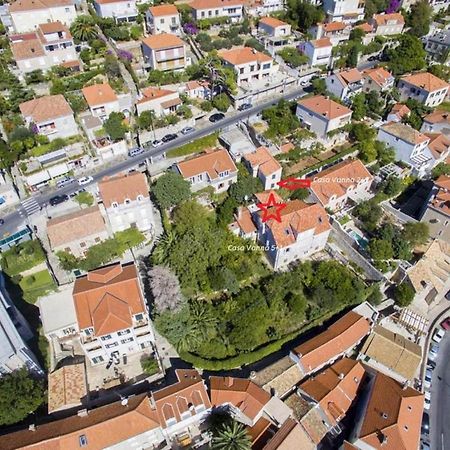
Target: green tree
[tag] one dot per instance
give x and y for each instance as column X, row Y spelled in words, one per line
column 35, row 76
column 441, row 71
column 392, row 186
column 353, row 56
column 408, row 56
column 84, row 29
column 77, row 102
column 281, row 118
column 441, row 169
column 416, row 233
column 149, row 365
column 367, row 151
column 84, row 198
column 254, row 43
column 369, row 212
column 245, row 186
column 232, row 436
column 419, row 18
column 304, row 14
column 293, row 56
column 319, row 86
column 146, row 120
column 222, row 102
column 115, row 127
column 299, row 194
column 380, row 250
column 170, row 190
column 385, row 153
column 404, row 294
column 225, row 211
column 359, row 107
column 20, row 395
column 362, row 132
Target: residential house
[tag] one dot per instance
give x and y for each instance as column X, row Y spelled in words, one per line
column 164, row 52
column 318, row 51
column 337, row 340
column 126, row 200
column 391, row 417
column 290, row 436
column 214, row 168
column 50, row 45
column 345, row 84
column 347, row 11
column 377, row 79
column 303, row 230
column 346, row 182
column 112, row 315
column 322, row 115
column 274, row 27
column 161, row 101
column 437, row 210
column 101, row 99
column 398, row 112
column 410, row 146
column 436, row 122
column 119, row 10
column 50, row 116
column 8, row 194
column 438, row 5
column 437, row 47
column 425, row 87
column 212, row 9
column 198, row 89
column 261, row 8
column 331, row 392
column 335, row 31
column 387, row 24
column 26, row 15
column 163, row 19
column 248, row 63
column 77, row 231
column 439, row 147
column 243, row 226
column 391, row 353
column 263, row 165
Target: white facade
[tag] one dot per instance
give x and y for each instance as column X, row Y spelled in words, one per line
column 264, row 7
column 347, row 11
column 275, row 31
column 8, row 195
column 166, row 104
column 342, row 89
column 163, row 23
column 60, row 127
column 387, row 24
column 120, row 10
column 318, row 52
column 231, row 9
column 173, row 58
column 428, row 98
column 104, row 110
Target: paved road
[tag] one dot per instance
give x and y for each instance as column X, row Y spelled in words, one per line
column 440, row 399
column 15, row 219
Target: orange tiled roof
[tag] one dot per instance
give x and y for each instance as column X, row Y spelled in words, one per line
column 286, row 148
column 28, row 48
column 321, row 43
column 378, row 75
column 439, row 144
column 383, row 19
column 30, row 5
column 441, row 202
column 263, row 197
column 443, row 182
column 163, row 10
column 46, row 108
column 263, row 160
column 272, row 22
column 393, row 413
column 244, row 220
column 334, row 26
column 122, row 187
column 366, row 27
column 426, row 81
column 290, row 436
column 53, row 27
column 162, row 41
column 211, row 4
column 324, row 107
column 243, row 55
column 99, row 94
column 349, row 76
column 338, row 179
column 400, row 110
column 404, row 132
column 437, row 117
column 336, row 339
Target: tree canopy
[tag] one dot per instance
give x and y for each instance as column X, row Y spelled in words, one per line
column 171, row 189
column 115, row 127
column 419, row 18
column 408, row 56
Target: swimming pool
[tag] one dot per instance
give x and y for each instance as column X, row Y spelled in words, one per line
column 361, row 241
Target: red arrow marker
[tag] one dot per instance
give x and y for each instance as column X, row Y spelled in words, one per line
column 295, row 183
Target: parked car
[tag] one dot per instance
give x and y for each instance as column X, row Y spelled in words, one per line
column 424, row 446
column 438, row 335
column 373, row 58
column 187, row 130
column 2, row 221
column 157, row 143
column 427, row 401
column 434, row 349
column 445, row 324
column 169, row 137
column 57, row 199
column 85, row 180
column 447, row 295
column 135, row 151
column 427, row 379
column 75, row 193
column 216, row 117
column 431, row 365
column 425, row 428
column 245, row 106
column 64, row 182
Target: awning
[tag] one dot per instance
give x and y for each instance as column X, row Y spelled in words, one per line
column 170, row 103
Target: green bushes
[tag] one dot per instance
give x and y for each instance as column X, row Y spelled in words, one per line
column 22, row 257
column 196, row 146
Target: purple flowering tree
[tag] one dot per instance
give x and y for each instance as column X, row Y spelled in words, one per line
column 124, row 55
column 394, row 5
column 190, row 28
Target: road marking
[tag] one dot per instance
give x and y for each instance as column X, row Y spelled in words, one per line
column 31, row 206
column 442, row 439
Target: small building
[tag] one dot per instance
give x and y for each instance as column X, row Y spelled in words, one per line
column 322, row 115
column 345, row 84
column 50, row 116
column 8, row 194
column 163, row 19
column 77, row 231
column 164, row 52
column 214, row 168
column 210, row 9
column 436, row 122
column 318, row 51
column 387, row 24
column 261, row 8
column 101, row 99
column 398, row 112
column 274, row 27
column 161, row 101
column 347, row 11
column 337, row 32
column 119, row 10
column 424, row 87
column 243, row 226
column 263, row 165
column 439, row 147
column 198, row 89
column 377, row 79
column 437, row 47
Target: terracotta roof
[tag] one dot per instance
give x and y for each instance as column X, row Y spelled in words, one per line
column 441, row 202
column 383, row 19
column 437, row 117
column 378, row 75
column 152, row 93
column 443, row 182
column 286, row 148
column 336, row 180
column 366, row 27
column 349, row 76
column 122, row 187
column 211, row 4
column 325, row 107
column 169, row 103
column 321, row 43
column 27, row 49
column 244, row 220
column 290, row 436
column 263, row 197
column 336, row 339
column 194, row 84
column 400, row 110
column 53, row 27
column 439, row 144
column 46, row 108
column 162, row 41
column 334, row 26
column 99, row 94
column 245, row 395
column 66, row 387
column 263, row 161
column 163, row 10
column 105, row 2
column 426, row 81
column 212, row 163
column 243, row 55
column 30, row 5
column 75, row 226
column 272, row 22
column 103, row 427
column 107, row 298
column 335, row 388
column 298, row 217
column 393, row 416
column 404, row 132
column 70, row 64
column 260, row 432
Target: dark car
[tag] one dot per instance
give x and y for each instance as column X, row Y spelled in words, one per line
column 245, row 106
column 169, row 137
column 447, row 295
column 57, row 199
column 425, row 429
column 373, row 58
column 216, row 117
column 2, row 221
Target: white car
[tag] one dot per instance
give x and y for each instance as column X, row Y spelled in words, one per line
column 157, row 143
column 85, row 180
column 434, row 349
column 427, row 401
column 438, row 335
column 427, row 379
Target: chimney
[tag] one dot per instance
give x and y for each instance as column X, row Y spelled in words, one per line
column 82, row 413
column 384, row 415
column 229, row 381
column 124, row 401
column 341, row 376
column 32, row 427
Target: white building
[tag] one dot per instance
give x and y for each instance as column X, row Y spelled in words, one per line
column 50, row 116
column 377, row 79
column 164, row 52
column 436, row 122
column 198, row 89
column 424, row 87
column 8, row 195
column 127, row 202
column 260, row 8
column 263, row 165
column 26, row 15
column 213, row 9
column 163, row 19
column 337, row 32
column 347, row 11
column 119, row 10
column 274, row 27
column 345, row 84
column 101, row 99
column 318, row 51
column 387, row 24
column 160, row 101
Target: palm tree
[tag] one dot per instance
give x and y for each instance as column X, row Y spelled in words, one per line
column 161, row 251
column 232, row 437
column 84, row 28
column 188, row 338
column 202, row 319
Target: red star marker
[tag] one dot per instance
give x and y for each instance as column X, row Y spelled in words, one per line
column 276, row 208
column 295, row 183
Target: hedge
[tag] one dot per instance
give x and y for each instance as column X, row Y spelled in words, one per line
column 195, row 146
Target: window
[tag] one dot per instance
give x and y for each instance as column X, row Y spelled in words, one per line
column 140, row 198
column 127, row 201
column 162, row 21
column 125, row 341
column 124, row 332
column 252, row 68
column 106, row 337
column 209, row 13
column 114, row 204
column 114, row 344
column 67, row 10
column 82, row 244
column 82, row 439
column 241, row 70
column 266, row 66
column 97, row 359
column 139, row 317
column 89, row 331
column 97, row 240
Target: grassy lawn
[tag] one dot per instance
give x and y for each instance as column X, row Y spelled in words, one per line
column 445, row 106
column 36, row 285
column 22, row 257
column 195, row 146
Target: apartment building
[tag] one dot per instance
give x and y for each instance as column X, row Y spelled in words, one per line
column 318, row 51
column 263, row 165
column 249, row 64
column 112, row 315
column 164, row 52
column 211, row 9
column 126, row 200
column 50, row 116
column 345, row 84
column 163, row 19
column 436, row 122
column 101, row 99
column 335, row 31
column 437, row 46
column 119, row 10
column 160, row 101
column 214, row 168
column 27, row 15
column 424, row 87
column 387, row 24
column 347, row 11
column 274, row 27
column 377, row 79
column 322, row 115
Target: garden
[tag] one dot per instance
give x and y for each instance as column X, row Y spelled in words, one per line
column 22, row 257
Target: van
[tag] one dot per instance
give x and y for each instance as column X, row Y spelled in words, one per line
column 135, row 151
